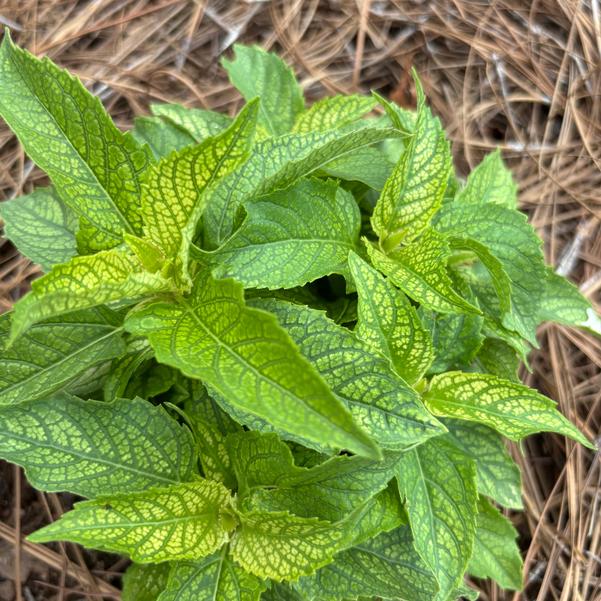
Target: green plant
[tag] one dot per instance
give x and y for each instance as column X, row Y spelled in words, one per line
column 298, row 336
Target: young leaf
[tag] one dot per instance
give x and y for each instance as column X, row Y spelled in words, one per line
column 420, row 270
column 498, row 358
column 246, row 357
column 41, row 227
column 333, row 113
column 144, row 582
column 496, row 554
column 198, row 123
column 54, row 353
column 64, row 129
column 94, row 448
column 389, row 322
column 184, row 521
column 215, row 578
column 281, row 546
column 414, row 190
column 255, row 72
column 291, row 237
column 512, row 409
column 138, row 352
column 439, row 485
column 162, row 136
column 282, row 592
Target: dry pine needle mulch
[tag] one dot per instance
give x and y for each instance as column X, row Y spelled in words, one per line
column 524, row 76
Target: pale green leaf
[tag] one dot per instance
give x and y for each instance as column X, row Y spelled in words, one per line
column 420, row 270
column 144, row 582
column 255, row 72
column 512, row 409
column 198, row 123
column 333, row 113
column 65, row 130
column 54, row 353
column 402, row 118
column 162, row 136
column 496, row 554
column 439, row 485
column 147, row 252
column 246, row 357
column 41, row 226
column 94, row 448
column 389, row 322
column 184, row 521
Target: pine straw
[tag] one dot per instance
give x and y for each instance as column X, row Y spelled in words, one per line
column 525, row 77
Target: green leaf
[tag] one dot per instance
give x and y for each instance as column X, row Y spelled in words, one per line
column 162, row 136
column 41, row 227
column 64, row 129
column 198, row 123
column 333, row 112
column 512, row 409
column 389, row 322
column 498, row 358
column 497, row 475
column 246, row 357
column 144, row 582
column 416, row 186
column 496, row 554
column 137, row 353
column 420, row 270
column 379, row 400
column 94, row 448
column 490, row 182
column 85, row 282
column 184, row 521
column 215, row 578
column 291, row 237
column 255, row 72
column 281, row 592
column 275, row 164
column 439, row 484
column 281, row 546
column 54, row 353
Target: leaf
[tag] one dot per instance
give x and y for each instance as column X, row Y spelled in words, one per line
column 497, row 475
column 379, row 400
column 161, row 135
column 281, row 546
column 291, row 237
column 67, row 133
column 198, row 123
column 281, row 592
column 94, row 448
column 333, row 112
column 85, row 282
column 41, row 227
column 246, row 357
column 184, row 521
column 439, row 485
column 54, row 353
column 419, row 269
column 389, row 322
column 416, row 186
column 275, row 164
column 496, row 554
column 255, row 72
column 512, row 409
column 498, row 358
column 144, row 582
column 137, row 353
column 215, row 578
column 490, row 182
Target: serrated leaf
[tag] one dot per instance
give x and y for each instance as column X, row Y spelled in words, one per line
column 198, row 123
column 497, row 475
column 416, row 186
column 65, row 130
column 291, row 237
column 380, row 401
column 389, row 322
column 246, row 357
column 161, row 135
column 490, row 182
column 420, row 270
column 184, row 521
column 94, row 448
column 333, row 112
column 85, row 282
column 255, row 72
column 55, row 352
column 144, row 582
column 281, row 546
column 496, row 554
column 215, row 578
column 439, row 485
column 512, row 409
column 41, row 226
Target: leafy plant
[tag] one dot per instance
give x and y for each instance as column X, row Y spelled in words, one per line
column 296, row 332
